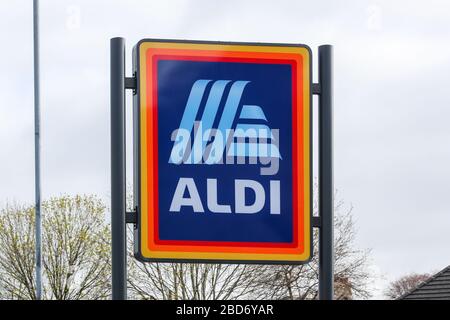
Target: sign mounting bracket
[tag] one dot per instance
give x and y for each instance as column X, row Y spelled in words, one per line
column 316, row 89
column 316, row 222
column 131, row 217
column 131, row 83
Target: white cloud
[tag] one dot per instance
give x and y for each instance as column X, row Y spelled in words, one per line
column 392, row 70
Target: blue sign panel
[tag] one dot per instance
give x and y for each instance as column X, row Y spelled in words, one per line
column 224, row 152
column 224, row 96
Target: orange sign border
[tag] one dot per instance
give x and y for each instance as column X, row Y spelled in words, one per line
column 147, row 249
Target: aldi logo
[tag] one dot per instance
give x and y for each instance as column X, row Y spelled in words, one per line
column 224, row 152
column 213, row 146
column 182, row 151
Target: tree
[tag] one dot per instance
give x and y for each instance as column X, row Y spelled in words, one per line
column 190, row 281
column 76, row 250
column 301, row 282
column 76, row 262
column 405, row 284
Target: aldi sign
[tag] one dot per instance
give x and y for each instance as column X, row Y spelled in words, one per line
column 223, row 152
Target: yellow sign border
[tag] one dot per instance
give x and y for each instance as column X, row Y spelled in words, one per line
column 143, row 252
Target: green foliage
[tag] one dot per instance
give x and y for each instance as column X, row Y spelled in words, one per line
column 75, row 257
column 76, row 261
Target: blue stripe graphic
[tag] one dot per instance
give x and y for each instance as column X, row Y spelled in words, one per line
column 193, row 104
column 209, row 115
column 231, row 107
column 253, row 113
column 254, row 150
column 249, row 131
column 253, row 131
column 189, row 115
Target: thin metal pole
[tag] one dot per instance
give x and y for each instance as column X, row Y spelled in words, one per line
column 37, row 149
column 326, row 187
column 118, row 207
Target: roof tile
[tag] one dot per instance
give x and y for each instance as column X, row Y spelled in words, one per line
column 435, row 288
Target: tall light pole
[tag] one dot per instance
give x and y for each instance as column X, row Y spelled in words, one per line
column 37, row 148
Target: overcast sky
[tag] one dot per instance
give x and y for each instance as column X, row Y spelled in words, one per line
column 392, row 104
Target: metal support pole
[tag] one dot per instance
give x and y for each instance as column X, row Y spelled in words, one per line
column 118, row 163
column 326, row 187
column 37, row 149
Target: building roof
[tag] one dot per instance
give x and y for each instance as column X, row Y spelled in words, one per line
column 435, row 288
